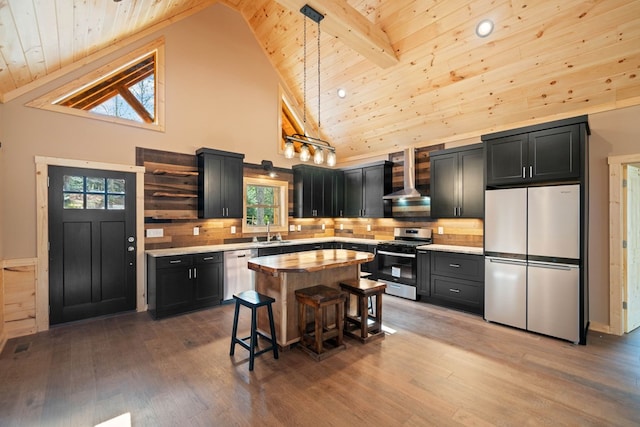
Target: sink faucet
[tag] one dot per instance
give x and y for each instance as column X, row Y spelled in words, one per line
column 268, row 233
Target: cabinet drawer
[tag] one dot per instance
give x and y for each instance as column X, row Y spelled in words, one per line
column 456, row 290
column 463, row 266
column 210, row 257
column 174, row 261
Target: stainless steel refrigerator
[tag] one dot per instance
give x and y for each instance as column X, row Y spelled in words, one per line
column 532, row 259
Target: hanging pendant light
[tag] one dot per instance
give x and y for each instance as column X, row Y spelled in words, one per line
column 305, row 155
column 318, row 156
column 320, row 146
column 331, row 158
column 289, row 150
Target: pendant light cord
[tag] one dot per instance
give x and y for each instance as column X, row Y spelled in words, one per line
column 304, row 88
column 318, row 75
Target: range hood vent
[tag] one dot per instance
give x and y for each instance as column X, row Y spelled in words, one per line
column 409, row 191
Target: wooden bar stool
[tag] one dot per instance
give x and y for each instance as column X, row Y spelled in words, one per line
column 316, row 337
column 357, row 326
column 253, row 300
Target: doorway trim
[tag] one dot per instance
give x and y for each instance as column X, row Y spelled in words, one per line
column 616, row 255
column 42, row 230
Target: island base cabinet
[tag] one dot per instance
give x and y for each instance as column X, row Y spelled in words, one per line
column 285, row 309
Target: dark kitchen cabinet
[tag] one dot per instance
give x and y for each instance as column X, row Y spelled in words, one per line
column 316, row 192
column 424, row 273
column 367, row 267
column 551, row 152
column 457, row 182
column 178, row 284
column 457, row 281
column 220, row 179
column 364, row 188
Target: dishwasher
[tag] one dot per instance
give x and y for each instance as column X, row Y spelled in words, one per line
column 237, row 276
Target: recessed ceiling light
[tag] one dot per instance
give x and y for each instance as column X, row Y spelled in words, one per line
column 484, row 28
column 342, row 93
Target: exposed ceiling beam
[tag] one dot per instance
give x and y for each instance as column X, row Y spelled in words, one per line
column 352, row 28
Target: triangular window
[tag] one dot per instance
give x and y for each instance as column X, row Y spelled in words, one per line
column 126, row 92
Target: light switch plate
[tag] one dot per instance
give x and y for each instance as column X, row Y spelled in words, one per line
column 233, row 229
column 155, row 232
column 196, row 231
column 368, row 227
column 323, row 226
column 440, row 230
column 299, row 227
column 341, row 226
column 292, row 227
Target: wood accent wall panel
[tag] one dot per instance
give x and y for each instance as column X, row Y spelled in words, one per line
column 170, row 184
column 19, row 299
column 422, row 168
column 178, row 223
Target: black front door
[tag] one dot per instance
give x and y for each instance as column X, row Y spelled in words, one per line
column 92, row 241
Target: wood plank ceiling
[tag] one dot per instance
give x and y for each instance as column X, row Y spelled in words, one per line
column 545, row 59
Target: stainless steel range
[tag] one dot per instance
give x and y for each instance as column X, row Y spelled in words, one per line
column 397, row 262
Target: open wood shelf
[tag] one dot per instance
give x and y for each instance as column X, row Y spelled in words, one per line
column 164, row 194
column 174, row 172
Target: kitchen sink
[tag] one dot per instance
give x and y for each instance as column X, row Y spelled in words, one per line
column 273, row 242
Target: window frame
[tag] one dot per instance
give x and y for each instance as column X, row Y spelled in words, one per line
column 156, row 47
column 283, row 190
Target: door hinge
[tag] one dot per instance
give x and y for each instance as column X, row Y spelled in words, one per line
column 48, row 180
column 624, row 183
column 624, row 244
column 624, row 305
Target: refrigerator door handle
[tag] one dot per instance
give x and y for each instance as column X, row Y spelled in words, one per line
column 565, row 267
column 506, row 261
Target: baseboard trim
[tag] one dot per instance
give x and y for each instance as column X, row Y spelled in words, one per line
column 599, row 327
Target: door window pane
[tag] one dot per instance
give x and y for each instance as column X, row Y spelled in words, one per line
column 115, row 201
column 95, row 201
column 115, row 186
column 73, row 201
column 73, row 183
column 95, row 185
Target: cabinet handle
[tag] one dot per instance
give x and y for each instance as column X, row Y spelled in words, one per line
column 454, row 265
column 530, row 171
column 207, row 258
column 175, row 261
column 189, row 274
column 524, row 172
column 457, row 291
column 195, row 273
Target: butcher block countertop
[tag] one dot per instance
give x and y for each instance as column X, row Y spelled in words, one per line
column 308, row 261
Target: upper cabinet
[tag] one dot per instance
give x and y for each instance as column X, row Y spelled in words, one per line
column 457, row 182
column 363, row 190
column 220, row 182
column 317, row 192
column 551, row 152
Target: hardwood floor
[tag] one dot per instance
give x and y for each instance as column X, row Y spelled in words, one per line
column 440, row 367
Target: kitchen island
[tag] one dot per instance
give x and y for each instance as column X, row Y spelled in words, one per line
column 279, row 276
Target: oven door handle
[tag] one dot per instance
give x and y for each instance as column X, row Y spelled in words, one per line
column 397, row 254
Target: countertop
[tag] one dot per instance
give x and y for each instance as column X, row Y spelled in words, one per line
column 471, row 250
column 308, row 261
column 188, row 250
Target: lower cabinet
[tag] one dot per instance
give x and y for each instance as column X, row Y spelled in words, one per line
column 178, row 284
column 368, row 267
column 424, row 273
column 455, row 280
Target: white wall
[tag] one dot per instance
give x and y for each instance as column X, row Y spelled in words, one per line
column 221, row 92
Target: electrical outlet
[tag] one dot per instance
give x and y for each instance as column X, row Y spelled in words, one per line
column 233, row 229
column 299, row 227
column 368, row 227
column 323, row 226
column 341, row 226
column 196, row 231
column 292, row 227
column 155, row 232
column 440, row 230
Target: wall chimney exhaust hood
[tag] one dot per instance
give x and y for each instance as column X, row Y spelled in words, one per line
column 409, row 191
